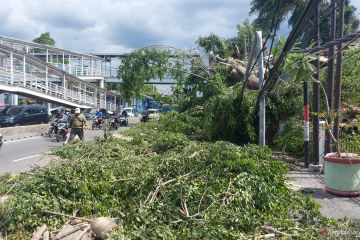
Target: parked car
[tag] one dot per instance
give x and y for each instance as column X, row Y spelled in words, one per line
column 150, row 114
column 90, row 113
column 130, row 111
column 154, row 113
column 23, row 115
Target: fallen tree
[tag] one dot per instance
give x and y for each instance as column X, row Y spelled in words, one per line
column 161, row 184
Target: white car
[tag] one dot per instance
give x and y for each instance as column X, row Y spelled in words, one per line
column 130, row 111
column 154, row 113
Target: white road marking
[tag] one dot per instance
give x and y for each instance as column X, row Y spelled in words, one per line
column 25, row 158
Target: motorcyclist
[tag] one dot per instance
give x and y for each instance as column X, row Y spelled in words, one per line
column 59, row 115
column 65, row 117
column 145, row 117
column 124, row 114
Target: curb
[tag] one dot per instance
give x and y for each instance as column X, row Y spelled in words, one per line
column 22, row 132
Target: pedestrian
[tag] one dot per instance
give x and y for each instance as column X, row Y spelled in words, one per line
column 77, row 125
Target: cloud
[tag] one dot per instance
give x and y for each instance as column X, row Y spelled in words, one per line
column 121, row 25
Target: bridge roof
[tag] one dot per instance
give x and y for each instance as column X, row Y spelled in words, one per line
column 52, row 69
column 47, row 47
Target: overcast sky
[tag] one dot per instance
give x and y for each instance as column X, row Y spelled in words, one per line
column 121, row 25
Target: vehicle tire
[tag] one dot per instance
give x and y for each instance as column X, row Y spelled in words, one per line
column 58, row 137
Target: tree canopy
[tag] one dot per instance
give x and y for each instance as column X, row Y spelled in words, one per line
column 266, row 10
column 45, row 38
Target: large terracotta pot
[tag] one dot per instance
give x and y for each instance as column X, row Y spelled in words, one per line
column 342, row 174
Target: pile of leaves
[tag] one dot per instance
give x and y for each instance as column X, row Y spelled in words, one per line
column 160, row 183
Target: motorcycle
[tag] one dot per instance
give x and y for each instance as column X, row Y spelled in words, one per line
column 114, row 123
column 145, row 118
column 63, row 130
column 97, row 123
column 53, row 129
column 123, row 121
column 1, row 140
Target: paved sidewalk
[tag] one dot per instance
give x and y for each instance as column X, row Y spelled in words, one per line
column 331, row 206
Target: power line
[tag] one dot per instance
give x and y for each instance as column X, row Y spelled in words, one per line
column 344, row 60
column 325, row 46
column 290, row 42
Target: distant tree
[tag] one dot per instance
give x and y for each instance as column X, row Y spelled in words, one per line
column 232, row 47
column 45, row 38
column 215, row 44
column 266, row 10
column 246, row 31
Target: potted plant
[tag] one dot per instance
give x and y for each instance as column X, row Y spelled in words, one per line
column 342, row 171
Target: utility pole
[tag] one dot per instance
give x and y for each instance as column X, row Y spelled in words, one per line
column 338, row 75
column 262, row 97
column 330, row 75
column 306, row 126
column 316, row 93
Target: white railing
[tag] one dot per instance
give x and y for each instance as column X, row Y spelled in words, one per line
column 40, row 85
column 80, row 71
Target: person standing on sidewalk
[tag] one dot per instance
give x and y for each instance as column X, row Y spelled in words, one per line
column 77, row 125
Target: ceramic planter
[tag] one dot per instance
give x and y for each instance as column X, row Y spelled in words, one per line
column 342, row 175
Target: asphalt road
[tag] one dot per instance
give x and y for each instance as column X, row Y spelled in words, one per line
column 20, row 155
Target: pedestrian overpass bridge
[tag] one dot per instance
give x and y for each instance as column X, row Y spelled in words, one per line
column 54, row 75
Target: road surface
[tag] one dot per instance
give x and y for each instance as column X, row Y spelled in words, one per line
column 20, row 155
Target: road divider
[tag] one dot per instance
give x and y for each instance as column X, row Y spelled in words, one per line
column 20, row 132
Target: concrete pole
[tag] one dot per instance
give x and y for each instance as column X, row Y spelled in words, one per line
column 96, row 97
column 46, row 80
column 262, row 97
column 48, row 108
column 82, row 66
column 105, row 100
column 102, row 83
column 15, row 99
column 47, row 55
column 27, row 49
column 11, row 68
column 70, row 64
column 63, row 61
column 105, row 74
column 92, row 66
column 24, row 70
column 85, row 92
column 64, row 87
